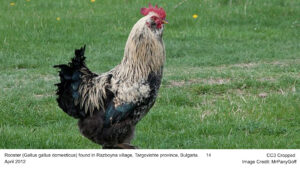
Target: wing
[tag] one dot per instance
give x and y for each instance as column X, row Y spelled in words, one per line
column 94, row 93
column 132, row 101
column 115, row 114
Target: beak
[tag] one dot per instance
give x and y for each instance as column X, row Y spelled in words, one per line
column 165, row 22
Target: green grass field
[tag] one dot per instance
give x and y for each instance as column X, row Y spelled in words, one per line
column 231, row 80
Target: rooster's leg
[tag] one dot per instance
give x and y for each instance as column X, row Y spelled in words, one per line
column 126, row 146
column 120, row 146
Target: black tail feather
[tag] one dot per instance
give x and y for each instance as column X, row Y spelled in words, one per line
column 77, row 62
column 67, row 89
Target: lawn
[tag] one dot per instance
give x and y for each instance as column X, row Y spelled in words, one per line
column 231, row 79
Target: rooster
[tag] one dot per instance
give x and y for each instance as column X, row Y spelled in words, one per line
column 109, row 105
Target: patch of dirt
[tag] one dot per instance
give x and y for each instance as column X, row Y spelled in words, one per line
column 218, row 81
column 5, row 88
column 267, row 79
column 40, row 96
column 294, row 89
column 263, row 95
column 239, row 91
column 177, row 83
column 245, row 65
column 49, row 77
column 279, row 63
column 205, row 114
column 212, row 81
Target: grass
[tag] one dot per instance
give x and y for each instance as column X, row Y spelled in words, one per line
column 231, row 78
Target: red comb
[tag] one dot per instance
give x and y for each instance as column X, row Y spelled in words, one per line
column 159, row 11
